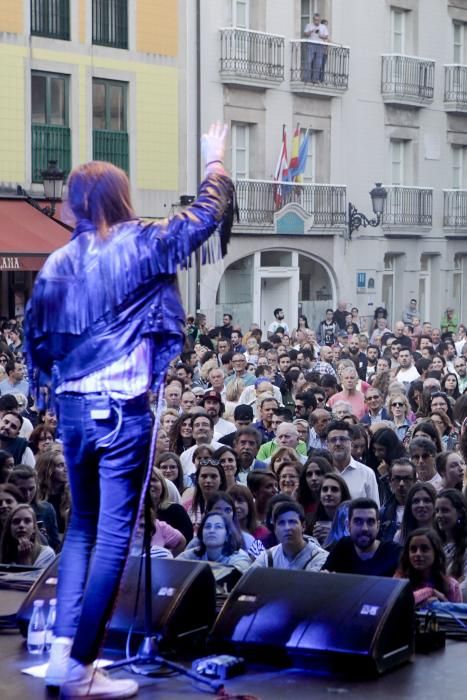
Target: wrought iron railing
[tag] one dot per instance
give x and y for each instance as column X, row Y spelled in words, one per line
column 407, row 77
column 455, row 84
column 455, row 208
column 110, row 23
column 51, row 18
column 408, row 206
column 259, row 200
column 111, row 146
column 250, row 54
column 324, row 64
column 50, row 143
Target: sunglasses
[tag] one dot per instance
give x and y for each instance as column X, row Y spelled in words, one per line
column 397, row 403
column 206, row 462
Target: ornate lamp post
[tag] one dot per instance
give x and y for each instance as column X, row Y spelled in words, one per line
column 356, row 219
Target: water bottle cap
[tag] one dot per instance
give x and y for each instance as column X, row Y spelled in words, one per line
column 38, row 603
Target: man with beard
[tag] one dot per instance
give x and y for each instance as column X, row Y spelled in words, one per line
column 212, row 404
column 359, row 358
column 10, row 426
column 361, row 552
column 402, row 475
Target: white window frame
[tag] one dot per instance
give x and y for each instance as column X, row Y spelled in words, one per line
column 398, row 34
column 458, row 167
column 238, row 128
column 400, row 159
column 237, row 13
column 309, row 174
column 458, row 42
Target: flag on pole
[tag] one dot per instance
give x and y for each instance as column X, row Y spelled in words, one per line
column 295, row 173
column 293, row 163
column 281, row 173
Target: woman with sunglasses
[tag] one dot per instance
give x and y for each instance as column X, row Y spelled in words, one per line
column 398, row 408
column 209, row 479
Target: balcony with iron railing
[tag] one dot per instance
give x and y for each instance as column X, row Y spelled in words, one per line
column 455, row 88
column 260, row 200
column 111, row 146
column 319, row 69
column 407, row 80
column 51, row 19
column 409, row 208
column 50, row 143
column 455, row 210
column 251, row 58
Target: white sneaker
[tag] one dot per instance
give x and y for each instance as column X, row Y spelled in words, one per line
column 96, row 684
column 57, row 670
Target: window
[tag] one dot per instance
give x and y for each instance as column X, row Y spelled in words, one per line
column 458, row 43
column 109, row 122
column 307, row 9
column 398, row 30
column 458, row 167
column 424, row 287
column 241, row 13
column 458, row 283
column 310, row 174
column 398, row 161
column 51, row 18
column 110, row 23
column 49, row 116
column 240, row 151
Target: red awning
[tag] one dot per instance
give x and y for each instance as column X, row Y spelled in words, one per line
column 27, row 236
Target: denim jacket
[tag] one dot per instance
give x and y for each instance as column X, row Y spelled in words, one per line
column 96, row 299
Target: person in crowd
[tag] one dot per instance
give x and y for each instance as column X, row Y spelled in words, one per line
column 21, row 540
column 451, row 525
column 240, row 372
column 229, row 462
column 406, row 372
column 402, row 476
column 278, row 322
column 422, row 453
column 450, row 385
column 451, row 467
column 6, row 465
column 164, row 509
column 246, row 445
column 242, row 418
column 362, row 552
column 449, row 436
column 286, row 436
column 263, row 486
column 293, row 551
column 181, row 434
column 385, row 446
column 220, row 542
column 10, row 497
column 166, row 540
column 233, row 392
column 426, row 429
column 327, row 329
column 333, row 492
column 168, row 418
column 294, row 384
column 349, row 393
column 419, row 510
column 26, row 480
column 360, row 479
column 15, row 382
column 202, row 426
column 410, row 312
column 209, row 479
column 439, row 400
column 10, row 426
column 398, row 409
column 212, row 404
column 288, row 475
column 41, row 439
column 267, row 405
column 303, row 429
column 450, row 321
column 423, row 562
column 171, row 468
column 284, row 455
column 460, row 367
column 245, row 509
column 375, row 409
column 52, row 484
column 360, row 444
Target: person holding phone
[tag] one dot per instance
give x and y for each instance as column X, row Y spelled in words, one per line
column 318, row 36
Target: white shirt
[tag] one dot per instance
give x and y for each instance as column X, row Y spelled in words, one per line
column 311, row 558
column 406, row 376
column 186, row 458
column 223, row 427
column 361, row 481
column 319, row 33
column 278, row 324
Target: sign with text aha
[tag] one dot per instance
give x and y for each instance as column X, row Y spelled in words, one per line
column 361, row 280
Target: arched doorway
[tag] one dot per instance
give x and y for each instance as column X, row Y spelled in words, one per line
column 253, row 286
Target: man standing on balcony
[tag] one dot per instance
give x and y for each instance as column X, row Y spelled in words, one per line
column 318, row 35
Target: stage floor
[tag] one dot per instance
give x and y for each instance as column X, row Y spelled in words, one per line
column 442, row 674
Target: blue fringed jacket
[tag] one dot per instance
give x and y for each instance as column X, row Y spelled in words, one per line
column 96, row 299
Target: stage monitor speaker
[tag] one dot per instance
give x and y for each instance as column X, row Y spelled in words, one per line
column 317, row 620
column 183, row 603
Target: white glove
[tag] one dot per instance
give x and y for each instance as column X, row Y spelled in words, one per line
column 213, row 143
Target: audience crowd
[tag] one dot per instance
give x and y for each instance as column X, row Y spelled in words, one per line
column 339, row 449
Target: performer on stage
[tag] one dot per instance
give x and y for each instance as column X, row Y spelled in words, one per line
column 103, row 323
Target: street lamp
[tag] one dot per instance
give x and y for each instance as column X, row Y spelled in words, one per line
column 378, row 199
column 52, row 180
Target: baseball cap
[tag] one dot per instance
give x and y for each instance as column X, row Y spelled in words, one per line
column 213, row 395
column 243, row 412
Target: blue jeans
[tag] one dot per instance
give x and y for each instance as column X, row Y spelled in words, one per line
column 106, row 445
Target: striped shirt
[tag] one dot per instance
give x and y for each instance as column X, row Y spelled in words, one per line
column 126, row 378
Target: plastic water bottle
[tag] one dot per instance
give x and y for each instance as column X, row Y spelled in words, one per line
column 36, row 629
column 50, row 624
